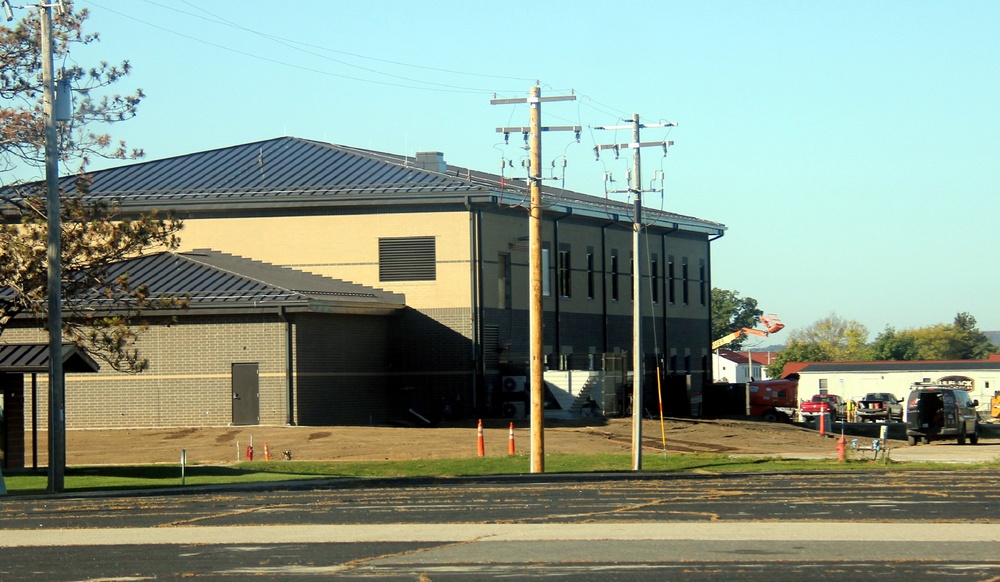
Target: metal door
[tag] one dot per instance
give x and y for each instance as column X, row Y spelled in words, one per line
column 246, row 394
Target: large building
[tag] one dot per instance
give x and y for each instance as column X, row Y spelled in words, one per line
column 450, row 242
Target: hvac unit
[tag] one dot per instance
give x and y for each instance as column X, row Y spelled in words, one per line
column 513, row 384
column 512, row 410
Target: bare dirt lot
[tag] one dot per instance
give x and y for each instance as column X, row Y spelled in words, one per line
column 346, row 443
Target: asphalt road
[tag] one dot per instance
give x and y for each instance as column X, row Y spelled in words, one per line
column 743, row 527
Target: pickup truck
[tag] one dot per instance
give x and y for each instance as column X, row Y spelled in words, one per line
column 877, row 406
column 820, row 403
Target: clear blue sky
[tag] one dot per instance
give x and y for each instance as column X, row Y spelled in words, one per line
column 851, row 147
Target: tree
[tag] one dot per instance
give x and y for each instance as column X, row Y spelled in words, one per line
column 94, row 236
column 841, row 339
column 893, row 345
column 730, row 313
column 960, row 340
column 973, row 343
column 22, row 139
column 798, row 351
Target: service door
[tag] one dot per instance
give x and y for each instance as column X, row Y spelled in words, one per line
column 246, row 394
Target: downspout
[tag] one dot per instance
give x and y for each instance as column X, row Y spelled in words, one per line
column 665, row 295
column 476, row 297
column 289, row 378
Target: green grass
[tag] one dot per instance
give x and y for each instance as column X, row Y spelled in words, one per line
column 78, row 479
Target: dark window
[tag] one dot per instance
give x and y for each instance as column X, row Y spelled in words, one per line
column 546, row 268
column 564, row 274
column 670, row 280
column 654, row 277
column 590, row 274
column 614, row 275
column 503, row 280
column 631, row 276
column 407, row 259
column 702, row 282
column 684, row 282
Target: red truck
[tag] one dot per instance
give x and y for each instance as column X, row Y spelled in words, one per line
column 824, row 403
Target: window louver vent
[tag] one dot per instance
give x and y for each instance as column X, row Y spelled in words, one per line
column 407, row 259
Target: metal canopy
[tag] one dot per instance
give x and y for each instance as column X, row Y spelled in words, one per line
column 34, row 358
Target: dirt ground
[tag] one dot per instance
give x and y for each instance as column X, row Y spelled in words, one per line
column 346, row 443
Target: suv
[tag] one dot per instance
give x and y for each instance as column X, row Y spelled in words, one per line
column 941, row 412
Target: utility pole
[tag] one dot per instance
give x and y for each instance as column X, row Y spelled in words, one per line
column 57, row 392
column 636, row 191
column 535, row 313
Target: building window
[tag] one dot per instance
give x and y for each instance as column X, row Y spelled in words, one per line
column 564, row 274
column 590, row 273
column 654, row 278
column 631, row 276
column 503, row 280
column 823, row 388
column 684, row 282
column 614, row 275
column 702, row 282
column 546, row 279
column 671, row 276
column 407, row 259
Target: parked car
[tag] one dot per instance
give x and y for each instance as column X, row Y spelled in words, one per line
column 879, row 406
column 820, row 403
column 940, row 412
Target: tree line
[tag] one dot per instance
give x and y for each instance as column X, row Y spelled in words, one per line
column 836, row 339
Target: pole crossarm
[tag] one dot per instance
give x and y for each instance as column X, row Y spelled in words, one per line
column 526, row 129
column 532, row 99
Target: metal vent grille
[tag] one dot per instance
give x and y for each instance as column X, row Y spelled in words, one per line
column 407, row 259
column 491, row 348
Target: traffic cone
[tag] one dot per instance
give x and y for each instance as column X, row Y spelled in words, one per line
column 267, row 452
column 510, row 440
column 482, row 443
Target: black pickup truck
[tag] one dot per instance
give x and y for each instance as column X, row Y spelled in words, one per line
column 877, row 406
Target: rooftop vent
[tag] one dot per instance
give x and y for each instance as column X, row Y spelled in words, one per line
column 432, row 162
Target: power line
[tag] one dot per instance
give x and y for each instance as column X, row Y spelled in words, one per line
column 441, row 87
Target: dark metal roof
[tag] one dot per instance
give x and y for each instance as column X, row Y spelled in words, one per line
column 902, row 366
column 282, row 168
column 35, row 358
column 292, row 172
column 514, row 191
column 211, row 278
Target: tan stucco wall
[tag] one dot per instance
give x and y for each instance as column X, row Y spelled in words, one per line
column 346, row 247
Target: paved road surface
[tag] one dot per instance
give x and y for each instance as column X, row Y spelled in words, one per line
column 749, row 527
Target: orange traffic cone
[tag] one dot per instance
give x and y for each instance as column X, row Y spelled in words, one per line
column 267, row 452
column 510, row 440
column 482, row 443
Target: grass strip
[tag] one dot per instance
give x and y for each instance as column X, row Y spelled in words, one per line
column 98, row 478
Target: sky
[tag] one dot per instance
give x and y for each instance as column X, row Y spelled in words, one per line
column 850, row 147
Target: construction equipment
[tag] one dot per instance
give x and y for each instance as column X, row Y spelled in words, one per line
column 771, row 323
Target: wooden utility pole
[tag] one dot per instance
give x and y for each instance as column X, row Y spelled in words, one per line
column 636, row 191
column 535, row 313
